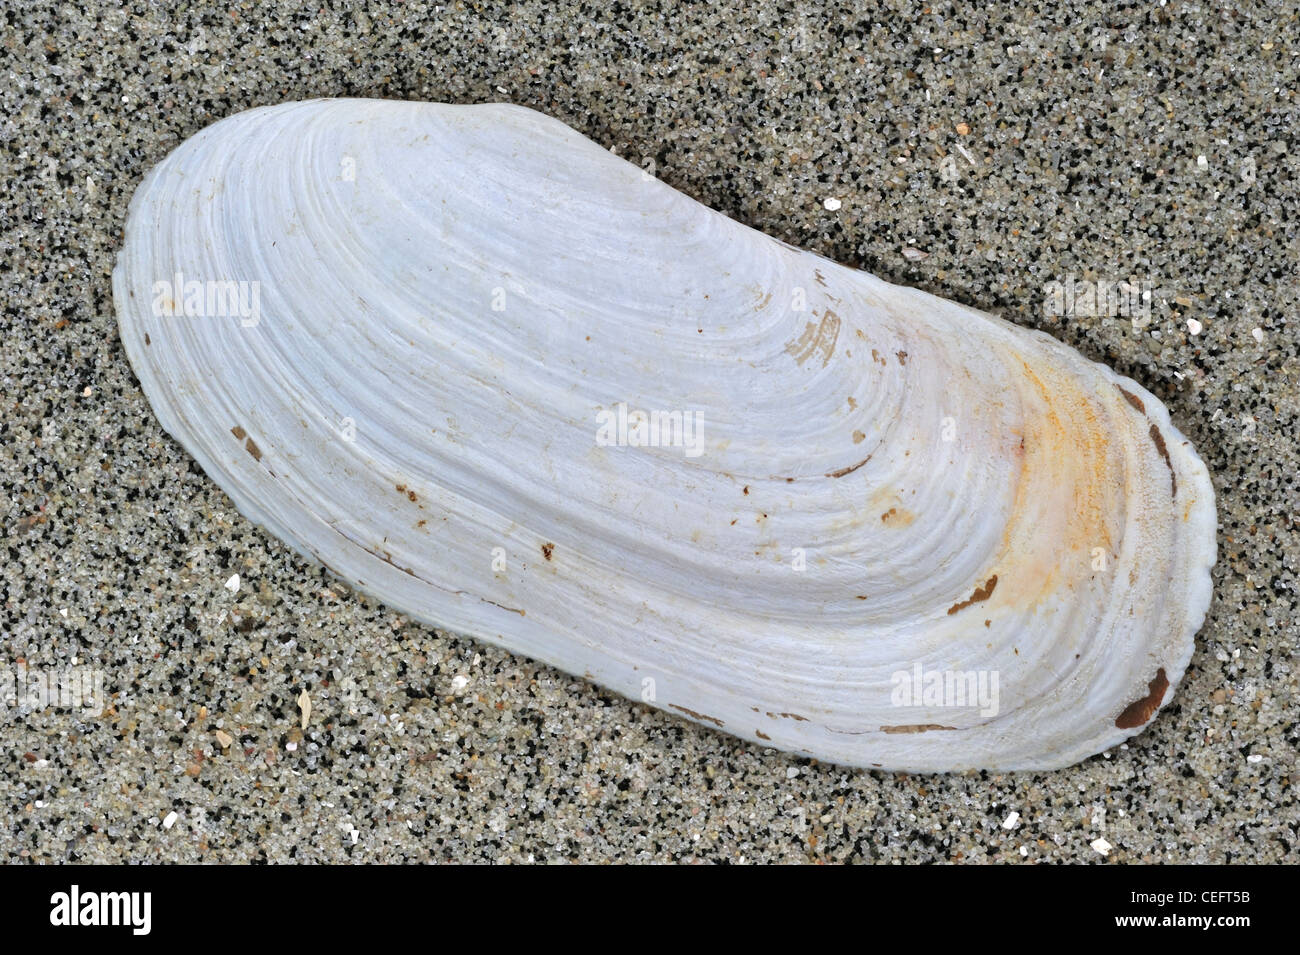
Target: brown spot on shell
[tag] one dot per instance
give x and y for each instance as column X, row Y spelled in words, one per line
column 761, row 735
column 902, row 357
column 1133, row 399
column 849, row 470
column 251, row 447
column 897, row 517
column 915, row 728
column 239, row 433
column 980, row 594
column 698, row 716
column 547, row 549
column 146, row 339
column 1139, row 711
column 1159, row 440
column 816, row 339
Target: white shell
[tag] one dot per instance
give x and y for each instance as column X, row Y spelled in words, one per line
column 888, row 486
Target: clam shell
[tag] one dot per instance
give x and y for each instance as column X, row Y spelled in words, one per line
column 425, row 345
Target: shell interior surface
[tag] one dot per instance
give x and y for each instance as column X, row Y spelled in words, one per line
column 497, row 377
